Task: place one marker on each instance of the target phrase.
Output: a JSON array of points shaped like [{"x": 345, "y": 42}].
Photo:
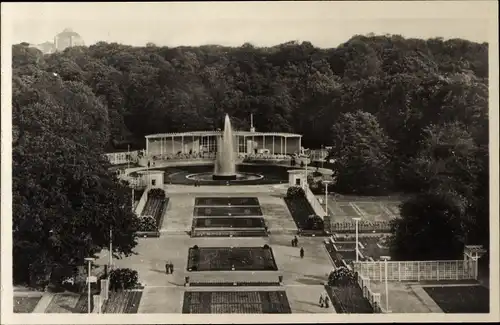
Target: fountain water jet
[{"x": 225, "y": 161}]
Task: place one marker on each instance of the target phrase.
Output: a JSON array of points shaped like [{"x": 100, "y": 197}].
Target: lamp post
[
  {"x": 110, "y": 247},
  {"x": 326, "y": 195},
  {"x": 386, "y": 258},
  {"x": 357, "y": 240},
  {"x": 89, "y": 260}
]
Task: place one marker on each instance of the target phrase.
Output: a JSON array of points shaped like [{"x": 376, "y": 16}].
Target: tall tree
[{"x": 360, "y": 150}]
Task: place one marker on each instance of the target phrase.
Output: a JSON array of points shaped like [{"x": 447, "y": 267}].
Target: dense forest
[{"x": 402, "y": 115}]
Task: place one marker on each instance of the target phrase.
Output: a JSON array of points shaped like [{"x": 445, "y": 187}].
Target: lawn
[
  {"x": 226, "y": 201},
  {"x": 236, "y": 302},
  {"x": 371, "y": 248},
  {"x": 300, "y": 210},
  {"x": 25, "y": 304},
  {"x": 229, "y": 222},
  {"x": 461, "y": 299},
  {"x": 349, "y": 300},
  {"x": 226, "y": 211},
  {"x": 224, "y": 258}
]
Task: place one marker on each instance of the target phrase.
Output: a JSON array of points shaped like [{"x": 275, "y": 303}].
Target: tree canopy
[{"x": 401, "y": 114}]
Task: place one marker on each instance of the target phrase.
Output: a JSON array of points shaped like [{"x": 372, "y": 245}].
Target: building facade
[{"x": 246, "y": 142}]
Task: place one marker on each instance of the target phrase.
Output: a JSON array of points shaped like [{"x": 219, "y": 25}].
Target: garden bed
[
  {"x": 229, "y": 222},
  {"x": 461, "y": 299},
  {"x": 313, "y": 233},
  {"x": 300, "y": 209},
  {"x": 226, "y": 211},
  {"x": 148, "y": 234},
  {"x": 228, "y": 259},
  {"x": 226, "y": 201},
  {"x": 25, "y": 304},
  {"x": 336, "y": 257},
  {"x": 228, "y": 233},
  {"x": 349, "y": 300},
  {"x": 123, "y": 302},
  {"x": 234, "y": 284},
  {"x": 236, "y": 302}
]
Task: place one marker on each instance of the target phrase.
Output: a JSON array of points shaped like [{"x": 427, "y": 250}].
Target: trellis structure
[{"x": 465, "y": 269}]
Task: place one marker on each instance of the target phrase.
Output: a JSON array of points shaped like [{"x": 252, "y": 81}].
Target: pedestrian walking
[
  {"x": 301, "y": 252},
  {"x": 321, "y": 301},
  {"x": 293, "y": 242},
  {"x": 172, "y": 268},
  {"x": 167, "y": 268},
  {"x": 296, "y": 241},
  {"x": 327, "y": 302}
]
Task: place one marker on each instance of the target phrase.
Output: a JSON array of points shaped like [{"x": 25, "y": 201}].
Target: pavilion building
[{"x": 246, "y": 142}]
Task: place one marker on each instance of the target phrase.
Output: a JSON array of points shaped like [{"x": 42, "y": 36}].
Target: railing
[
  {"x": 363, "y": 226},
  {"x": 417, "y": 270},
  {"x": 372, "y": 297}
]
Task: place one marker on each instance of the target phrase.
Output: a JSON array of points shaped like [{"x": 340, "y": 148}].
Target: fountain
[{"x": 225, "y": 162}]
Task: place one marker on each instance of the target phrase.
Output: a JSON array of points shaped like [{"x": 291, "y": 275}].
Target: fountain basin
[{"x": 224, "y": 177}]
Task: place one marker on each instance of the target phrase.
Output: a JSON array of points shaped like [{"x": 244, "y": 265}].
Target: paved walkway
[{"x": 42, "y": 305}]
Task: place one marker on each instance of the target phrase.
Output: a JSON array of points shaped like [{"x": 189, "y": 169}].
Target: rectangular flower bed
[
  {"x": 226, "y": 201},
  {"x": 227, "y": 259},
  {"x": 349, "y": 300},
  {"x": 229, "y": 222},
  {"x": 300, "y": 209},
  {"x": 224, "y": 211},
  {"x": 335, "y": 256},
  {"x": 236, "y": 302},
  {"x": 200, "y": 232}
]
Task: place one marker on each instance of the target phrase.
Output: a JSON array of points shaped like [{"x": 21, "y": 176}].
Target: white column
[
  {"x": 161, "y": 146},
  {"x": 281, "y": 144},
  {"x": 273, "y": 144},
  {"x": 263, "y": 142},
  {"x": 182, "y": 144},
  {"x": 147, "y": 147},
  {"x": 173, "y": 146},
  {"x": 286, "y": 152}
]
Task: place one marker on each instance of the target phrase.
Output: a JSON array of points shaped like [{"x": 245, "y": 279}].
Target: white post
[
  {"x": 89, "y": 259},
  {"x": 285, "y": 146},
  {"x": 133, "y": 196},
  {"x": 182, "y": 144},
  {"x": 110, "y": 246},
  {"x": 128, "y": 156},
  {"x": 356, "y": 220},
  {"x": 386, "y": 258},
  {"x": 147, "y": 147},
  {"x": 173, "y": 146},
  {"x": 273, "y": 144}
]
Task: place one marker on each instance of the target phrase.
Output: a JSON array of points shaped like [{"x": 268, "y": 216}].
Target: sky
[{"x": 324, "y": 24}]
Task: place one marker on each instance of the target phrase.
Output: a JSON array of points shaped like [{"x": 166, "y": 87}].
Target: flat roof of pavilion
[{"x": 213, "y": 133}]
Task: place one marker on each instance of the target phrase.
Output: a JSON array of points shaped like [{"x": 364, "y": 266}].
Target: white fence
[
  {"x": 372, "y": 297},
  {"x": 418, "y": 270},
  {"x": 363, "y": 226},
  {"x": 101, "y": 298},
  {"x": 317, "y": 207}
]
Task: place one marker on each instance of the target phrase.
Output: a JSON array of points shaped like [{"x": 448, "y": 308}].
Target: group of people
[
  {"x": 169, "y": 268},
  {"x": 324, "y": 301},
  {"x": 295, "y": 243}
]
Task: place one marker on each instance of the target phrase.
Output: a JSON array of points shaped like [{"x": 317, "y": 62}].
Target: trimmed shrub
[
  {"x": 314, "y": 222},
  {"x": 157, "y": 193},
  {"x": 342, "y": 277},
  {"x": 147, "y": 224},
  {"x": 195, "y": 247},
  {"x": 266, "y": 246},
  {"x": 122, "y": 279},
  {"x": 295, "y": 191}
]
